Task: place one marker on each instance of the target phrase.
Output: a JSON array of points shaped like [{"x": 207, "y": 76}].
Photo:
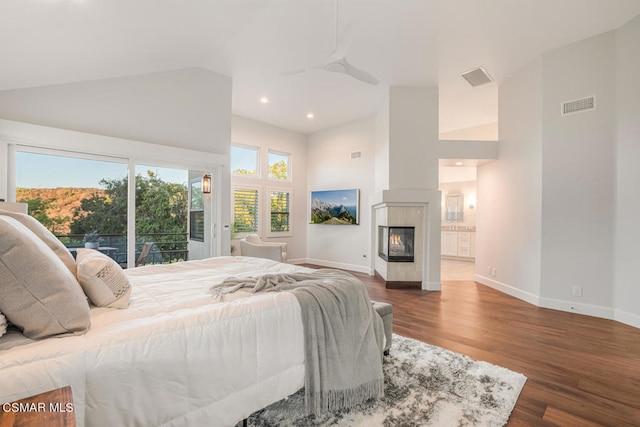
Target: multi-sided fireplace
[{"x": 396, "y": 244}]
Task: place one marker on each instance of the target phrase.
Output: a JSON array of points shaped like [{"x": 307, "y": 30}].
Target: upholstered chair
[{"x": 253, "y": 246}]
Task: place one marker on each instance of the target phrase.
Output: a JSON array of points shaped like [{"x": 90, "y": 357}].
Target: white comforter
[{"x": 175, "y": 356}]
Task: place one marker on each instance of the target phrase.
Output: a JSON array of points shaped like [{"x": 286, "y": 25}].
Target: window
[
  {"x": 245, "y": 210},
  {"x": 278, "y": 165},
  {"x": 196, "y": 211},
  {"x": 244, "y": 160},
  {"x": 280, "y": 214},
  {"x": 260, "y": 206}
]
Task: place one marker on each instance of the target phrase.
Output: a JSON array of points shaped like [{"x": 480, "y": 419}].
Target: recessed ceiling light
[
  {"x": 264, "y": 100},
  {"x": 310, "y": 115},
  {"x": 459, "y": 163}
]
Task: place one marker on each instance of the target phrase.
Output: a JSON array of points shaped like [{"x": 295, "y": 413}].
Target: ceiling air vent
[
  {"x": 477, "y": 76},
  {"x": 578, "y": 105},
  {"x": 356, "y": 155}
]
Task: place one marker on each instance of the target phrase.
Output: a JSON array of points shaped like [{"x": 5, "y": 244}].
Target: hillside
[{"x": 61, "y": 202}]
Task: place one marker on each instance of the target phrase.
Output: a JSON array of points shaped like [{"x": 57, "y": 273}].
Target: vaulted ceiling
[{"x": 256, "y": 42}]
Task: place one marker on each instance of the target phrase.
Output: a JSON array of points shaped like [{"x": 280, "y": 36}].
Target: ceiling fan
[{"x": 337, "y": 62}]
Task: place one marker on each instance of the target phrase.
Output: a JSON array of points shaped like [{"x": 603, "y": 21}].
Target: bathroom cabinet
[{"x": 459, "y": 244}]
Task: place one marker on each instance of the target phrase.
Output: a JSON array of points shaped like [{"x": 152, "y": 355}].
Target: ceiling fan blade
[
  {"x": 302, "y": 70},
  {"x": 343, "y": 43},
  {"x": 362, "y": 75}
]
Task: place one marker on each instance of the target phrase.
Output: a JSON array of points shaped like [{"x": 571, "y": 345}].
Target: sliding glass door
[
  {"x": 161, "y": 214},
  {"x": 80, "y": 198}
]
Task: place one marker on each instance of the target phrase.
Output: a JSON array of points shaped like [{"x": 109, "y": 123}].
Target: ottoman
[{"x": 386, "y": 313}]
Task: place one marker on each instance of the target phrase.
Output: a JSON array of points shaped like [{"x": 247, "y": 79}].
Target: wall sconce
[{"x": 206, "y": 184}]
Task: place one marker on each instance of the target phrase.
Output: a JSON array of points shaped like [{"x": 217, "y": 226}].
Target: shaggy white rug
[{"x": 424, "y": 386}]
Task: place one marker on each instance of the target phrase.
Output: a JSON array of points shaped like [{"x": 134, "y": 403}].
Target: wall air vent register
[{"x": 578, "y": 105}]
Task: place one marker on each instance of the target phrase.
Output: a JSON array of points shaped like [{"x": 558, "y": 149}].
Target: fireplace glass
[{"x": 396, "y": 244}]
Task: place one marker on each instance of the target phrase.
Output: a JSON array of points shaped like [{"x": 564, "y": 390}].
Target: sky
[
  {"x": 338, "y": 197},
  {"x": 47, "y": 171}
]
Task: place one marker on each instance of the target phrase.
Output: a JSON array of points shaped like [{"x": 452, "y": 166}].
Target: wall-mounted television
[{"x": 339, "y": 207}]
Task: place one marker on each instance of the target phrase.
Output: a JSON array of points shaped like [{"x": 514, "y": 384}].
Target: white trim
[
  {"x": 80, "y": 142},
  {"x": 507, "y": 289},
  {"x": 289, "y": 178},
  {"x": 260, "y": 198},
  {"x": 626, "y": 318},
  {"x": 4, "y": 164},
  {"x": 580, "y": 308},
  {"x": 30, "y": 137},
  {"x": 562, "y": 305},
  {"x": 331, "y": 264},
  {"x": 131, "y": 213},
  {"x": 258, "y": 151},
  {"x": 276, "y": 234}
]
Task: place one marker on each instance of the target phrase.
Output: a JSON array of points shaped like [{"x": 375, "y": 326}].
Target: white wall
[
  {"x": 578, "y": 177},
  {"x": 185, "y": 108},
  {"x": 626, "y": 289},
  {"x": 188, "y": 108},
  {"x": 560, "y": 206},
  {"x": 509, "y": 192},
  {"x": 249, "y": 132},
  {"x": 331, "y": 168},
  {"x": 413, "y": 138},
  {"x": 381, "y": 147}
]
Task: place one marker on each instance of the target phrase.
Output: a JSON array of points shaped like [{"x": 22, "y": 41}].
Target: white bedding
[{"x": 175, "y": 356}]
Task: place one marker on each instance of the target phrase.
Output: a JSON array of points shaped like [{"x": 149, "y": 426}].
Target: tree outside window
[
  {"x": 278, "y": 165},
  {"x": 280, "y": 202},
  {"x": 244, "y": 160},
  {"x": 245, "y": 210}
]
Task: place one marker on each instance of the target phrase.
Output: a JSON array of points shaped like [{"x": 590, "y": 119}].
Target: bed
[
  {"x": 173, "y": 355},
  {"x": 150, "y": 365}
]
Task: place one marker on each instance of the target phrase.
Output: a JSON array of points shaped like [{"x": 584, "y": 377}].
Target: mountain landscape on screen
[{"x": 324, "y": 212}]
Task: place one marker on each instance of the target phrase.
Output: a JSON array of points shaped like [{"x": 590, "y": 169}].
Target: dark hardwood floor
[{"x": 581, "y": 370}]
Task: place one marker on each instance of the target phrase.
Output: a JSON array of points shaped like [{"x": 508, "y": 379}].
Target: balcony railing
[{"x": 167, "y": 247}]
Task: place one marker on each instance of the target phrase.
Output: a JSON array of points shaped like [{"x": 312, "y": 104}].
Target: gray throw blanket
[{"x": 343, "y": 335}]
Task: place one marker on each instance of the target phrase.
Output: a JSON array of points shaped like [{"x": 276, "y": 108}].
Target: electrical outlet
[
  {"x": 576, "y": 291},
  {"x": 493, "y": 271}
]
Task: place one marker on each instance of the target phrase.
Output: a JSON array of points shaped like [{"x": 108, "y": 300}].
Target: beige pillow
[
  {"x": 102, "y": 279},
  {"x": 46, "y": 236},
  {"x": 3, "y": 325},
  {"x": 38, "y": 294}
]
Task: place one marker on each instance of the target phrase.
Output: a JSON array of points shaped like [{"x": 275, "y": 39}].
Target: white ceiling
[{"x": 402, "y": 42}]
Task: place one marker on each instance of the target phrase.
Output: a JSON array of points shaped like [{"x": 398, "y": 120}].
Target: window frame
[
  {"x": 270, "y": 232},
  {"x": 258, "y": 151},
  {"x": 280, "y": 153},
  {"x": 259, "y": 220}
]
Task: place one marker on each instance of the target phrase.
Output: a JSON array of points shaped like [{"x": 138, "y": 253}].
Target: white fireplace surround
[{"x": 419, "y": 208}]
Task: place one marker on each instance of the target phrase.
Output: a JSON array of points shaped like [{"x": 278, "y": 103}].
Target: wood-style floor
[{"x": 581, "y": 371}]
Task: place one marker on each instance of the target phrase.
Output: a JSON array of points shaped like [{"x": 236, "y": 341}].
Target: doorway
[{"x": 458, "y": 185}]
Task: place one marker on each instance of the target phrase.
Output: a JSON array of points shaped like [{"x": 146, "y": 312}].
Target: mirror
[{"x": 454, "y": 207}]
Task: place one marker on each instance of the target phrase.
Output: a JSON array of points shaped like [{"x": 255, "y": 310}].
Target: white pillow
[
  {"x": 102, "y": 279},
  {"x": 3, "y": 325},
  {"x": 46, "y": 236},
  {"x": 38, "y": 293}
]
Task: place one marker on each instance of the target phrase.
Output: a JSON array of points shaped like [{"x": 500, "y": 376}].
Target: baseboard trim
[
  {"x": 331, "y": 264},
  {"x": 580, "y": 308},
  {"x": 398, "y": 284},
  {"x": 626, "y": 318},
  {"x": 507, "y": 289},
  {"x": 562, "y": 305}
]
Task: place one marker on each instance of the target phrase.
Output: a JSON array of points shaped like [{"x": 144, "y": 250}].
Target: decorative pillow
[
  {"x": 46, "y": 236},
  {"x": 102, "y": 279},
  {"x": 38, "y": 294},
  {"x": 3, "y": 325}
]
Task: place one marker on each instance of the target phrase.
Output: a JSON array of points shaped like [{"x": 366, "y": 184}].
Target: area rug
[{"x": 425, "y": 385}]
